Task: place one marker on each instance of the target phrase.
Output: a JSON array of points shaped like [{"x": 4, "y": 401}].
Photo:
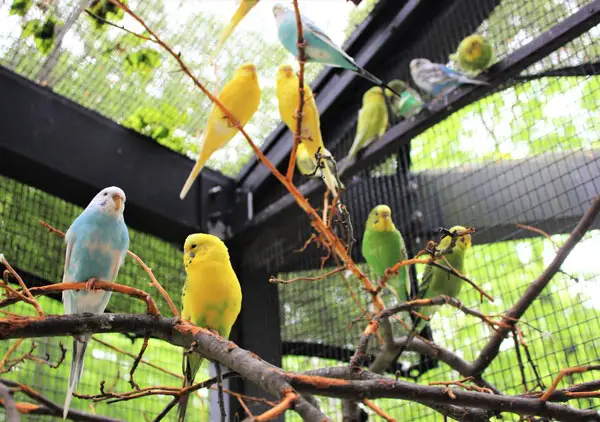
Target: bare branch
[{"x": 492, "y": 348}]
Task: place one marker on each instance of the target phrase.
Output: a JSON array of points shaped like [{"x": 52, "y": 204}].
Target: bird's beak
[{"x": 118, "y": 200}]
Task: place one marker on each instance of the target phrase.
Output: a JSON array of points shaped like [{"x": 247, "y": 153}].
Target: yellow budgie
[
  {"x": 211, "y": 297},
  {"x": 372, "y": 120},
  {"x": 241, "y": 96},
  {"x": 288, "y": 97},
  {"x": 307, "y": 164},
  {"x": 242, "y": 10}
]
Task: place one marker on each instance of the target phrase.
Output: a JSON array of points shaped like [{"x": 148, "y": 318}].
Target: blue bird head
[
  {"x": 110, "y": 201},
  {"x": 280, "y": 11}
]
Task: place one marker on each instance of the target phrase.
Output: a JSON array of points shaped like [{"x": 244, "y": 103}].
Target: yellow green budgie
[
  {"x": 372, "y": 120},
  {"x": 383, "y": 246},
  {"x": 242, "y": 10},
  {"x": 241, "y": 96},
  {"x": 288, "y": 98},
  {"x": 474, "y": 54},
  {"x": 436, "y": 281},
  {"x": 211, "y": 297}
]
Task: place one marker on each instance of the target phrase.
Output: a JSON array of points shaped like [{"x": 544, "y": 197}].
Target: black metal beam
[
  {"x": 542, "y": 191},
  {"x": 323, "y": 83},
  {"x": 401, "y": 134},
  {"x": 56, "y": 145}
]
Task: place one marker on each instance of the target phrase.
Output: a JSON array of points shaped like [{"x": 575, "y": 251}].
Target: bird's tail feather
[
  {"x": 237, "y": 17},
  {"x": 193, "y": 175},
  {"x": 370, "y": 77},
  {"x": 474, "y": 81},
  {"x": 76, "y": 371},
  {"x": 191, "y": 364}
]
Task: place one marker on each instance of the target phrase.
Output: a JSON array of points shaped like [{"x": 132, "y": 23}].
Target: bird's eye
[
  {"x": 105, "y": 193},
  {"x": 194, "y": 246},
  {"x": 376, "y": 214}
]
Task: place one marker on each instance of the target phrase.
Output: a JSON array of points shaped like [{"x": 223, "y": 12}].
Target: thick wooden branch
[
  {"x": 492, "y": 348},
  {"x": 329, "y": 382},
  {"x": 46, "y": 406}
]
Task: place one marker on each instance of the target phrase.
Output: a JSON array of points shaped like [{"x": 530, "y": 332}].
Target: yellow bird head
[
  {"x": 473, "y": 46},
  {"x": 246, "y": 70},
  {"x": 202, "y": 247},
  {"x": 285, "y": 71},
  {"x": 380, "y": 219},
  {"x": 463, "y": 242},
  {"x": 375, "y": 93}
]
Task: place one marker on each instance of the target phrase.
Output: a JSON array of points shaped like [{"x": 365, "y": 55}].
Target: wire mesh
[
  {"x": 38, "y": 256},
  {"x": 135, "y": 83},
  {"x": 528, "y": 153}
]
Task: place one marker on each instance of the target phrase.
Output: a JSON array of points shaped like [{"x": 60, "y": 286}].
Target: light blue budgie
[
  {"x": 436, "y": 79},
  {"x": 319, "y": 47},
  {"x": 97, "y": 242}
]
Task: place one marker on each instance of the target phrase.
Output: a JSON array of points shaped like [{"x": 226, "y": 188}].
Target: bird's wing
[
  {"x": 425, "y": 282},
  {"x": 318, "y": 32}
]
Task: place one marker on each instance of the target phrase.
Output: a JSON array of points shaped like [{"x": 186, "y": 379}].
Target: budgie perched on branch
[
  {"x": 211, "y": 296},
  {"x": 436, "y": 281},
  {"x": 474, "y": 54},
  {"x": 383, "y": 246},
  {"x": 97, "y": 242},
  {"x": 319, "y": 47},
  {"x": 373, "y": 120},
  {"x": 437, "y": 79},
  {"x": 288, "y": 98},
  {"x": 241, "y": 96},
  {"x": 242, "y": 10}
]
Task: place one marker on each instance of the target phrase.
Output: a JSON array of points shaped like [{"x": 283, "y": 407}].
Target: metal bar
[
  {"x": 542, "y": 191},
  {"x": 326, "y": 80},
  {"x": 401, "y": 134},
  {"x": 58, "y": 146}
]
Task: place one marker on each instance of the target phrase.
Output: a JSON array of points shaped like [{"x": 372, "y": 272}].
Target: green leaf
[
  {"x": 143, "y": 61},
  {"x": 20, "y": 7},
  {"x": 105, "y": 10},
  {"x": 30, "y": 28}
]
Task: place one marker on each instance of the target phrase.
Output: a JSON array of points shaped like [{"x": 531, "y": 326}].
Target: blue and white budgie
[
  {"x": 319, "y": 47},
  {"x": 436, "y": 79},
  {"x": 97, "y": 242}
]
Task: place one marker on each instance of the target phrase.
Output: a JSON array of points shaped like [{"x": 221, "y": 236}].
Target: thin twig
[
  {"x": 27, "y": 297},
  {"x": 100, "y": 18},
  {"x": 492, "y": 348},
  {"x": 221, "y": 399},
  {"x": 98, "y": 285},
  {"x": 276, "y": 280},
  {"x": 378, "y": 410},
  {"x": 9, "y": 352},
  {"x": 520, "y": 362},
  {"x": 286, "y": 402},
  {"x": 564, "y": 372},
  {"x": 300, "y": 43},
  {"x": 136, "y": 362}
]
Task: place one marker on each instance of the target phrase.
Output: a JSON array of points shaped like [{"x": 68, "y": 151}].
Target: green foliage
[
  {"x": 159, "y": 124},
  {"x": 20, "y": 7},
  {"x": 42, "y": 33},
  {"x": 106, "y": 11},
  {"x": 144, "y": 61}
]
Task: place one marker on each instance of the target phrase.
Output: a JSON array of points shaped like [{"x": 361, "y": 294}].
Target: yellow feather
[
  {"x": 211, "y": 297},
  {"x": 241, "y": 96},
  {"x": 288, "y": 98},
  {"x": 372, "y": 120}
]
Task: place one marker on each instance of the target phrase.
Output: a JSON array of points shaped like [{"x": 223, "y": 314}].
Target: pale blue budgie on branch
[
  {"x": 97, "y": 242},
  {"x": 319, "y": 47},
  {"x": 436, "y": 79}
]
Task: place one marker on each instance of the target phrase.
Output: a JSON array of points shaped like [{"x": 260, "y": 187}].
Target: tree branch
[
  {"x": 12, "y": 414},
  {"x": 492, "y": 348},
  {"x": 48, "y": 407},
  {"x": 329, "y": 382}
]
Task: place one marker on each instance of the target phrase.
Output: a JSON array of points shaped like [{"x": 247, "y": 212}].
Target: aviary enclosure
[{"x": 103, "y": 92}]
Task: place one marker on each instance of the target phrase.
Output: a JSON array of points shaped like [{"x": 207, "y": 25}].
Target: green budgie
[
  {"x": 373, "y": 120},
  {"x": 474, "y": 54},
  {"x": 408, "y": 104},
  {"x": 436, "y": 281},
  {"x": 383, "y": 246}
]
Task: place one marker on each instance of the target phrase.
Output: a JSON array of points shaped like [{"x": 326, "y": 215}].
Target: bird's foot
[
  {"x": 89, "y": 286},
  {"x": 233, "y": 122}
]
